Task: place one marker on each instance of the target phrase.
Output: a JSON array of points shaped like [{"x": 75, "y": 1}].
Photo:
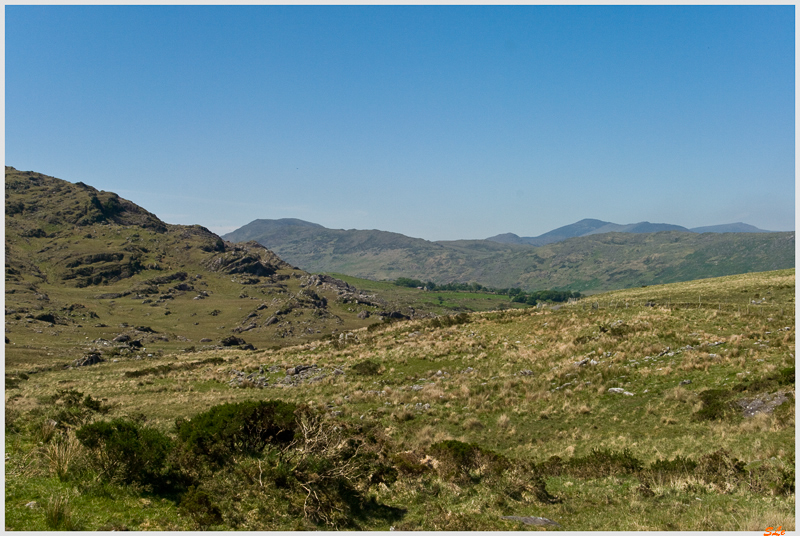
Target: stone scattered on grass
[
  {"x": 765, "y": 403},
  {"x": 531, "y": 520},
  {"x": 619, "y": 390}
]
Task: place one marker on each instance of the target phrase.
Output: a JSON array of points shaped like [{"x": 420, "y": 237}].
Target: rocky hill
[
  {"x": 88, "y": 270},
  {"x": 584, "y": 256}
]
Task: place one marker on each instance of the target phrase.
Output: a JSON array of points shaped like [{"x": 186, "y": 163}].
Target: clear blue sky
[{"x": 435, "y": 122}]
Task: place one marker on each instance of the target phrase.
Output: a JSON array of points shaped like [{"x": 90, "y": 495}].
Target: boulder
[
  {"x": 91, "y": 358},
  {"x": 232, "y": 341}
]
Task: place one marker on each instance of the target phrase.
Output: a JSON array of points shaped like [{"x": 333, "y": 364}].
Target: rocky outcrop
[{"x": 248, "y": 258}]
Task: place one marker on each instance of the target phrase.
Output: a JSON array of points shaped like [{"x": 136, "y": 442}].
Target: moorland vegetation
[
  {"x": 133, "y": 400},
  {"x": 660, "y": 408}
]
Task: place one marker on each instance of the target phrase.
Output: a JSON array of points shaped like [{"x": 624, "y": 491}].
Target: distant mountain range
[
  {"x": 587, "y": 255},
  {"x": 588, "y": 227}
]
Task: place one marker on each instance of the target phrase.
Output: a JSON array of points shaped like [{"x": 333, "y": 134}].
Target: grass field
[{"x": 657, "y": 408}]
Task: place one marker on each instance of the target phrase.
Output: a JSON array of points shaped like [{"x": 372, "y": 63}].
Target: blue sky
[{"x": 435, "y": 122}]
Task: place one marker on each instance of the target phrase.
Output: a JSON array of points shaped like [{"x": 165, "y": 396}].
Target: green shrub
[
  {"x": 771, "y": 477},
  {"x": 600, "y": 463},
  {"x": 73, "y": 408},
  {"x": 716, "y": 405},
  {"x": 241, "y": 428},
  {"x": 198, "y": 504},
  {"x": 720, "y": 468},
  {"x": 366, "y": 368},
  {"x": 553, "y": 466},
  {"x": 126, "y": 451},
  {"x": 772, "y": 381},
  {"x": 457, "y": 459},
  {"x": 408, "y": 463}
]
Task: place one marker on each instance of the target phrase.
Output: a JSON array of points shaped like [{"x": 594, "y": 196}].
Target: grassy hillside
[
  {"x": 669, "y": 407},
  {"x": 588, "y": 263},
  {"x": 85, "y": 267}
]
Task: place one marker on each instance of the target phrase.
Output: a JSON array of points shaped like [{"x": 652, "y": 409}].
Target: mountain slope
[
  {"x": 84, "y": 267},
  {"x": 737, "y": 227},
  {"x": 585, "y": 227},
  {"x": 592, "y": 262}
]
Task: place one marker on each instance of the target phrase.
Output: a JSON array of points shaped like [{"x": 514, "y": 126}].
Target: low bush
[
  {"x": 241, "y": 428},
  {"x": 777, "y": 379},
  {"x": 366, "y": 368},
  {"x": 126, "y": 451},
  {"x": 458, "y": 459},
  {"x": 73, "y": 408},
  {"x": 201, "y": 507},
  {"x": 716, "y": 405},
  {"x": 598, "y": 463},
  {"x": 662, "y": 471},
  {"x": 603, "y": 462},
  {"x": 720, "y": 468}
]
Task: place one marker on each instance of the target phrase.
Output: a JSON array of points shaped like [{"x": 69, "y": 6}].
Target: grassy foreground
[{"x": 659, "y": 408}]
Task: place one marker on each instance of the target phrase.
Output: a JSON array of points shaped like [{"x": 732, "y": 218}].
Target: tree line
[{"x": 517, "y": 295}]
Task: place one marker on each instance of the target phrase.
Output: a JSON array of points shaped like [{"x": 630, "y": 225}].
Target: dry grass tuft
[
  {"x": 62, "y": 453},
  {"x": 473, "y": 424},
  {"x": 503, "y": 421}
]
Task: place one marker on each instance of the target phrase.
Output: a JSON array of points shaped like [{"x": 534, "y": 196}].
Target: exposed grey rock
[
  {"x": 122, "y": 338},
  {"x": 531, "y": 520},
  {"x": 765, "y": 403},
  {"x": 291, "y": 371},
  {"x": 91, "y": 358},
  {"x": 232, "y": 341}
]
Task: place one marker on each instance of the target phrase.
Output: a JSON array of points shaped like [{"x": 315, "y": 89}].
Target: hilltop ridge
[
  {"x": 85, "y": 267},
  {"x": 587, "y": 255}
]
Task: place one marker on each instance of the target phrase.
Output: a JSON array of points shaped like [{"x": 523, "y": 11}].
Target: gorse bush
[
  {"x": 716, "y": 405},
  {"x": 604, "y": 462},
  {"x": 126, "y": 451},
  {"x": 241, "y": 428},
  {"x": 72, "y": 408},
  {"x": 597, "y": 464},
  {"x": 662, "y": 471},
  {"x": 202, "y": 507},
  {"x": 458, "y": 459},
  {"x": 366, "y": 368}
]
